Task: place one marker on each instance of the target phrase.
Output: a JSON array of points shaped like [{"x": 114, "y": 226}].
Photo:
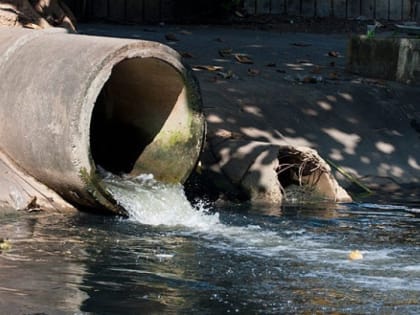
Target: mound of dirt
[{"x": 36, "y": 14}]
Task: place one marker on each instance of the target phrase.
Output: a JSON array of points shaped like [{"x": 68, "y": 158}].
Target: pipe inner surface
[{"x": 133, "y": 107}]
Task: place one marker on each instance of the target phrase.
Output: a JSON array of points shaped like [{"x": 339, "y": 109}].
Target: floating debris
[
  {"x": 225, "y": 52},
  {"x": 210, "y": 68},
  {"x": 242, "y": 58},
  {"x": 253, "y": 72},
  {"x": 4, "y": 245},
  {"x": 301, "y": 44},
  {"x": 171, "y": 37},
  {"x": 355, "y": 255},
  {"x": 304, "y": 79},
  {"x": 334, "y": 54},
  {"x": 186, "y": 54}
]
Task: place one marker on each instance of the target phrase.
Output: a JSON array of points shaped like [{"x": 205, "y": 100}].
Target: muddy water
[{"x": 238, "y": 260}]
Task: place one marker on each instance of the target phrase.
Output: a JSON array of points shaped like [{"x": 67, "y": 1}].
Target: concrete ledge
[{"x": 385, "y": 58}]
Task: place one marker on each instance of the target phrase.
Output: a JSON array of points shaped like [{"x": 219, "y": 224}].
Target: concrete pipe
[{"x": 70, "y": 103}]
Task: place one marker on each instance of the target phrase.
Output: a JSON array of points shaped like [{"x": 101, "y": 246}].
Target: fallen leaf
[
  {"x": 219, "y": 39},
  {"x": 309, "y": 79},
  {"x": 334, "y": 54},
  {"x": 239, "y": 14},
  {"x": 32, "y": 26},
  {"x": 186, "y": 54},
  {"x": 303, "y": 61},
  {"x": 332, "y": 64},
  {"x": 271, "y": 65},
  {"x": 185, "y": 32},
  {"x": 227, "y": 75},
  {"x": 225, "y": 52},
  {"x": 33, "y": 205},
  {"x": 301, "y": 44},
  {"x": 333, "y": 76},
  {"x": 242, "y": 58},
  {"x": 171, "y": 37},
  {"x": 316, "y": 70},
  {"x": 253, "y": 72},
  {"x": 207, "y": 68},
  {"x": 228, "y": 134}
]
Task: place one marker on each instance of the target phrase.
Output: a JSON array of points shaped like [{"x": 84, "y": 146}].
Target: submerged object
[{"x": 70, "y": 103}]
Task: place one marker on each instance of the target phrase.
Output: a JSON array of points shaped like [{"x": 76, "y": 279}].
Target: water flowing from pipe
[{"x": 148, "y": 201}]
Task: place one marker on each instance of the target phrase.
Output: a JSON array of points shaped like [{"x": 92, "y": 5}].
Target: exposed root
[{"x": 298, "y": 166}]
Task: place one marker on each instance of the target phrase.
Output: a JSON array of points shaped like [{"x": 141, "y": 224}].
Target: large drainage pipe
[{"x": 70, "y": 103}]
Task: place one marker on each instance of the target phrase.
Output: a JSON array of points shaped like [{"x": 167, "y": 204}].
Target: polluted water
[
  {"x": 154, "y": 203},
  {"x": 173, "y": 257}
]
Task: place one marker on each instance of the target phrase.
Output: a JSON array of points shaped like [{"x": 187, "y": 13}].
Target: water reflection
[{"x": 290, "y": 260}]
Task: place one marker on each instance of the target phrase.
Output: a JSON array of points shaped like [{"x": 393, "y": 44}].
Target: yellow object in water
[
  {"x": 355, "y": 255},
  {"x": 4, "y": 245}
]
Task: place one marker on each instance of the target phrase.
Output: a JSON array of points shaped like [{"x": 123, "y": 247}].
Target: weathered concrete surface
[
  {"x": 71, "y": 103},
  {"x": 365, "y": 126},
  {"x": 21, "y": 191},
  {"x": 385, "y": 58}
]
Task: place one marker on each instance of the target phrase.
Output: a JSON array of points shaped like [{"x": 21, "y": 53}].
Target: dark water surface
[{"x": 292, "y": 260}]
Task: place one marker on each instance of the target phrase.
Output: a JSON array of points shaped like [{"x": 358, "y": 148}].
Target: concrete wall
[{"x": 378, "y": 9}]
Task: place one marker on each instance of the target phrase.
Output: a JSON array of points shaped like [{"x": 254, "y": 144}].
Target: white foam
[{"x": 149, "y": 202}]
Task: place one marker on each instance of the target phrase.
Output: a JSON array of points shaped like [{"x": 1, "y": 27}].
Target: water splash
[{"x": 148, "y": 201}]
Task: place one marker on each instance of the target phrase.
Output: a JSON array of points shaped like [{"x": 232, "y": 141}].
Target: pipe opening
[{"x": 132, "y": 108}]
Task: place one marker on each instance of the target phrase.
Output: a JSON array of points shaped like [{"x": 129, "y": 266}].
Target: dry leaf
[
  {"x": 334, "y": 54},
  {"x": 226, "y": 75},
  {"x": 242, "y": 58},
  {"x": 185, "y": 32},
  {"x": 171, "y": 37},
  {"x": 301, "y": 44},
  {"x": 186, "y": 54},
  {"x": 253, "y": 72},
  {"x": 207, "y": 68},
  {"x": 333, "y": 76},
  {"x": 271, "y": 65},
  {"x": 225, "y": 52},
  {"x": 316, "y": 70},
  {"x": 303, "y": 61}
]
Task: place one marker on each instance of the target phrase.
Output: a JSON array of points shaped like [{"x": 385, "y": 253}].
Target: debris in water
[
  {"x": 334, "y": 54},
  {"x": 355, "y": 255},
  {"x": 4, "y": 245},
  {"x": 171, "y": 37},
  {"x": 253, "y": 72},
  {"x": 242, "y": 58},
  {"x": 225, "y": 52}
]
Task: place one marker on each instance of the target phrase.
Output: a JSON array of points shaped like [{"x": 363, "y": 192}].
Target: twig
[{"x": 349, "y": 177}]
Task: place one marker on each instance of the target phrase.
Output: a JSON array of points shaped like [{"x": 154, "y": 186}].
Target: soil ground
[{"x": 287, "y": 83}]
